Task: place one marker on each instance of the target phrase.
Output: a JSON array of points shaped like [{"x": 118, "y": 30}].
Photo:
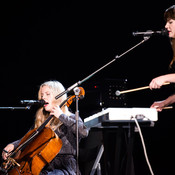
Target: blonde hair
[{"x": 41, "y": 115}]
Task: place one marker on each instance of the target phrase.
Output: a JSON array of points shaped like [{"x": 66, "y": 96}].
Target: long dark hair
[{"x": 170, "y": 14}]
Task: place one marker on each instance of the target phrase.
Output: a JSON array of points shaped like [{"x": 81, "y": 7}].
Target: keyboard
[{"x": 121, "y": 115}]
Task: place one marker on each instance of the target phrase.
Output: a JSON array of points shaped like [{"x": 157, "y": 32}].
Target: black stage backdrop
[{"x": 67, "y": 41}]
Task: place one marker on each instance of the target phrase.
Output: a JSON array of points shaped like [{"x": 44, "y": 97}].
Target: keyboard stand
[
  {"x": 121, "y": 164},
  {"x": 97, "y": 166}
]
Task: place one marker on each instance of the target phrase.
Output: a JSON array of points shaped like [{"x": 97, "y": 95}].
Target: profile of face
[
  {"x": 48, "y": 97},
  {"x": 170, "y": 26}
]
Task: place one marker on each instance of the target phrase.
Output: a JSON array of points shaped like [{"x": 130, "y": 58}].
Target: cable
[{"x": 143, "y": 144}]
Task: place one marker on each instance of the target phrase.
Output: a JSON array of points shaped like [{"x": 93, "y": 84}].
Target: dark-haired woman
[{"x": 157, "y": 82}]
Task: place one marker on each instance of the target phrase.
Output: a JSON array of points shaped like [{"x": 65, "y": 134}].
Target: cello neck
[{"x": 45, "y": 123}]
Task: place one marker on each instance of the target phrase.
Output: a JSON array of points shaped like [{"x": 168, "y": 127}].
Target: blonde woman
[{"x": 64, "y": 125}]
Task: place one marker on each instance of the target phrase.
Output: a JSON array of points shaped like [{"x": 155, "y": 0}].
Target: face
[
  {"x": 48, "y": 97},
  {"x": 170, "y": 26}
]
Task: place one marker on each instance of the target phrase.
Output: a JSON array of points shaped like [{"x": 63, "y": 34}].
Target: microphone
[
  {"x": 150, "y": 33},
  {"x": 32, "y": 102}
]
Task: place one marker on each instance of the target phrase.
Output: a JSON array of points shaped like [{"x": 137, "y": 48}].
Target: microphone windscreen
[
  {"x": 42, "y": 102},
  {"x": 164, "y": 32}
]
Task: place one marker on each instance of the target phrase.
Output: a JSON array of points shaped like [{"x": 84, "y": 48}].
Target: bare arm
[{"x": 157, "y": 82}]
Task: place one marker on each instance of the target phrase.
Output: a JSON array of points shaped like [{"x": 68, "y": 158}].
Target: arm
[
  {"x": 159, "y": 105},
  {"x": 9, "y": 148},
  {"x": 157, "y": 82},
  {"x": 70, "y": 122}
]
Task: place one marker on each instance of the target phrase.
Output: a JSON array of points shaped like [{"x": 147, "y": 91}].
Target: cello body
[{"x": 42, "y": 150}]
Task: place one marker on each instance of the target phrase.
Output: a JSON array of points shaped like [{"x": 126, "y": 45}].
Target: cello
[{"x": 36, "y": 149}]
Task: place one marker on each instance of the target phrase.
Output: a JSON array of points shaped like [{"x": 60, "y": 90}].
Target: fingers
[
  {"x": 157, "y": 82},
  {"x": 159, "y": 105},
  {"x": 154, "y": 85},
  {"x": 159, "y": 109},
  {"x": 56, "y": 111},
  {"x": 5, "y": 154},
  {"x": 7, "y": 150}
]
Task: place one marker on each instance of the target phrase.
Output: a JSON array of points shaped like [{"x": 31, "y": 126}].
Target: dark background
[{"x": 67, "y": 41}]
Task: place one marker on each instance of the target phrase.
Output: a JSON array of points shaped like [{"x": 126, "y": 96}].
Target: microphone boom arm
[
  {"x": 13, "y": 108},
  {"x": 98, "y": 70}
]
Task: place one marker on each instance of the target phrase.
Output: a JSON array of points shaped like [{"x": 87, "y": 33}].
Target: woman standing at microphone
[
  {"x": 63, "y": 124},
  {"x": 169, "y": 17}
]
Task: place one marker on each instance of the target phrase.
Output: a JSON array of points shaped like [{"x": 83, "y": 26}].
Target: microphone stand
[
  {"x": 27, "y": 107},
  {"x": 77, "y": 92},
  {"x": 82, "y": 81}
]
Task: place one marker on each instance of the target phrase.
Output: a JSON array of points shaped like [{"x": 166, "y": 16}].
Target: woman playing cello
[{"x": 63, "y": 124}]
